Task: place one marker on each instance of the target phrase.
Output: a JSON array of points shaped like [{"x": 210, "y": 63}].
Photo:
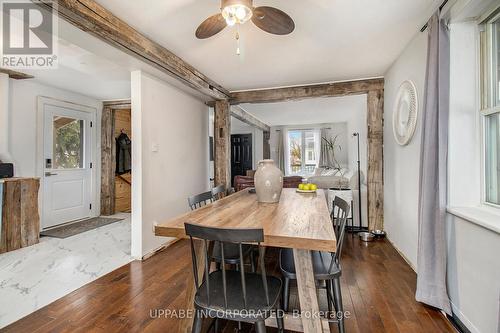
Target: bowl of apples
[{"x": 307, "y": 188}]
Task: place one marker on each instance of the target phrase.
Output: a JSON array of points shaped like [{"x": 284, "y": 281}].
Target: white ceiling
[
  {"x": 86, "y": 73},
  {"x": 309, "y": 111},
  {"x": 91, "y": 67},
  {"x": 334, "y": 39}
]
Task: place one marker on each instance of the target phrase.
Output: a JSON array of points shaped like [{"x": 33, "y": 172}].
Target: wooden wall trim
[
  {"x": 91, "y": 17},
  {"x": 334, "y": 89},
  {"x": 222, "y": 142},
  {"x": 16, "y": 75},
  {"x": 242, "y": 115}
]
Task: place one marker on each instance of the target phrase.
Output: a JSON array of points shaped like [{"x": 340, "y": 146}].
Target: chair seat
[
  {"x": 256, "y": 307},
  {"x": 231, "y": 252},
  {"x": 321, "y": 265}
]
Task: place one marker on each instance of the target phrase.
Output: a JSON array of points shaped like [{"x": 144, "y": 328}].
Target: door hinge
[
  {"x": 90, "y": 206},
  {"x": 90, "y": 124}
]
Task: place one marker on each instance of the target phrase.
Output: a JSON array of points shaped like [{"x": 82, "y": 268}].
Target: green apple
[
  {"x": 313, "y": 187},
  {"x": 301, "y": 186},
  {"x": 307, "y": 187}
]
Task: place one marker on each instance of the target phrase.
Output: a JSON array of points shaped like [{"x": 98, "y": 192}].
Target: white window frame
[
  {"x": 489, "y": 98},
  {"x": 317, "y": 147}
]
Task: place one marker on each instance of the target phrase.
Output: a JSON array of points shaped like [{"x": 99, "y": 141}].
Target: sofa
[
  {"x": 327, "y": 178},
  {"x": 243, "y": 182}
]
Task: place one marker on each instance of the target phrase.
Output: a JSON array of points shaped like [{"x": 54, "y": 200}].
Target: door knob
[{"x": 48, "y": 174}]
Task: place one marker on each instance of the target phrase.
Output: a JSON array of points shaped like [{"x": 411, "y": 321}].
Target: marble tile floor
[{"x": 33, "y": 277}]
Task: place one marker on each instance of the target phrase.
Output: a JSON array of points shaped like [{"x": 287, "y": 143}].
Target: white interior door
[{"x": 67, "y": 169}]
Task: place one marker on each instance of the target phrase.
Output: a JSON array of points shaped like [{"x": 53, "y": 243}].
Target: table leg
[
  {"x": 187, "y": 323},
  {"x": 311, "y": 319}
]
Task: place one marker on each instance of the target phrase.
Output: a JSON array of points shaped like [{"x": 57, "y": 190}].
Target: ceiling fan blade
[
  {"x": 273, "y": 20},
  {"x": 211, "y": 26}
]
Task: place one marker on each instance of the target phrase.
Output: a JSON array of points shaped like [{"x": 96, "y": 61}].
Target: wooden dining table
[{"x": 300, "y": 221}]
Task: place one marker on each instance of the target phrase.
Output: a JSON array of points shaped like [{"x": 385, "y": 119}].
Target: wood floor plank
[{"x": 378, "y": 289}]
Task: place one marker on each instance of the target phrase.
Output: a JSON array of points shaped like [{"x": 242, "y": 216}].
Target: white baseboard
[
  {"x": 466, "y": 322},
  {"x": 402, "y": 255},
  {"x": 160, "y": 248}
]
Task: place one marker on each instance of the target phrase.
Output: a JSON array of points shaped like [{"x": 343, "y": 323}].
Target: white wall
[
  {"x": 23, "y": 120},
  {"x": 473, "y": 264},
  {"x": 23, "y": 125},
  {"x": 174, "y": 123},
  {"x": 401, "y": 164},
  {"x": 473, "y": 267}
]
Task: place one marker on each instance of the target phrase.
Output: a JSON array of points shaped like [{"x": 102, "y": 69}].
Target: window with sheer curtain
[
  {"x": 303, "y": 150},
  {"x": 491, "y": 110}
]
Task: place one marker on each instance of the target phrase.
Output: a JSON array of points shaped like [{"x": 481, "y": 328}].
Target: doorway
[
  {"x": 241, "y": 155},
  {"x": 116, "y": 163},
  {"x": 68, "y": 167}
]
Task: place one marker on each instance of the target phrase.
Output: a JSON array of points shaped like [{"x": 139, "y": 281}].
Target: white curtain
[{"x": 431, "y": 255}]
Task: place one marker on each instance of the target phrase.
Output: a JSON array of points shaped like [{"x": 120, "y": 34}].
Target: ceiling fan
[{"x": 233, "y": 12}]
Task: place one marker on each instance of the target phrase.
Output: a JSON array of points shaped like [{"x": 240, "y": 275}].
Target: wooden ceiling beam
[
  {"x": 91, "y": 17},
  {"x": 335, "y": 89},
  {"x": 239, "y": 113},
  {"x": 16, "y": 75}
]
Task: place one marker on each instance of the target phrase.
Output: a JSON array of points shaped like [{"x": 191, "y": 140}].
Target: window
[
  {"x": 68, "y": 143},
  {"x": 302, "y": 152},
  {"x": 491, "y": 110}
]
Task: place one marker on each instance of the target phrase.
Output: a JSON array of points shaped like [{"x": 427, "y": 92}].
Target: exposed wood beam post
[
  {"x": 239, "y": 113},
  {"x": 222, "y": 142},
  {"x": 375, "y": 176},
  {"x": 91, "y": 17},
  {"x": 108, "y": 163},
  {"x": 266, "y": 150},
  {"x": 334, "y": 89}
]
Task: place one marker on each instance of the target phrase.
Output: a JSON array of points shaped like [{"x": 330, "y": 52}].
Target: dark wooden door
[{"x": 241, "y": 155}]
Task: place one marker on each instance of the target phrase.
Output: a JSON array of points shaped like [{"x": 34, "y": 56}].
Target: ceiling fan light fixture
[{"x": 236, "y": 11}]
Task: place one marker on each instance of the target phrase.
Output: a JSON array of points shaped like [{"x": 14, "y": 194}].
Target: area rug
[{"x": 76, "y": 228}]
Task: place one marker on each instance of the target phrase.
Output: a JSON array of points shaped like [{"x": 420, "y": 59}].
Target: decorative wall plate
[{"x": 404, "y": 118}]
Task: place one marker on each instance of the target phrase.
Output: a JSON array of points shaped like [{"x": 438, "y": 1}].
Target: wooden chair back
[
  {"x": 237, "y": 236},
  {"x": 199, "y": 200}
]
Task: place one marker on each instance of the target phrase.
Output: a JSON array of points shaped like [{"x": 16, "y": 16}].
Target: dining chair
[
  {"x": 230, "y": 294},
  {"x": 219, "y": 192},
  {"x": 199, "y": 200},
  {"x": 232, "y": 254},
  {"x": 326, "y": 265}
]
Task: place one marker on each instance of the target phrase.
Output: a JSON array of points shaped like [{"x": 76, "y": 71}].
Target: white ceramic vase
[{"x": 268, "y": 182}]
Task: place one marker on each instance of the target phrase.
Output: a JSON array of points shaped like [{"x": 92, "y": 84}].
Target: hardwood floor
[{"x": 378, "y": 290}]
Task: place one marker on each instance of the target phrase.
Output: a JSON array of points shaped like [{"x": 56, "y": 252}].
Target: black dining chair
[
  {"x": 199, "y": 200},
  {"x": 230, "y": 294},
  {"x": 232, "y": 252},
  {"x": 218, "y": 192},
  {"x": 326, "y": 265}
]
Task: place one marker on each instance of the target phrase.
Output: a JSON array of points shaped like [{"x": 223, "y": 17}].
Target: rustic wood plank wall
[
  {"x": 123, "y": 183},
  {"x": 20, "y": 217}
]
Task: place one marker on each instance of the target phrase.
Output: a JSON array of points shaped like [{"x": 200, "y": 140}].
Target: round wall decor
[{"x": 404, "y": 118}]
